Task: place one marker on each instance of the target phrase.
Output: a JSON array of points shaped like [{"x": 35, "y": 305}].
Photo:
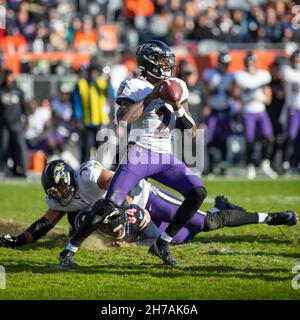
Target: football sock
[
  {"x": 229, "y": 218},
  {"x": 262, "y": 217},
  {"x": 186, "y": 211},
  {"x": 71, "y": 247},
  {"x": 267, "y": 147},
  {"x": 88, "y": 226}
]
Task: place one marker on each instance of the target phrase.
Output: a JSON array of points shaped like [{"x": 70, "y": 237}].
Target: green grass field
[{"x": 251, "y": 262}]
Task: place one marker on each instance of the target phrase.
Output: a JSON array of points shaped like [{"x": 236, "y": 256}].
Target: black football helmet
[
  {"x": 155, "y": 58},
  {"x": 58, "y": 180},
  {"x": 223, "y": 61},
  {"x": 250, "y": 62},
  {"x": 295, "y": 59}
]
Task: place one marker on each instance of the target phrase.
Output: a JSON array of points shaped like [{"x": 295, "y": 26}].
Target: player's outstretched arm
[{"x": 36, "y": 231}]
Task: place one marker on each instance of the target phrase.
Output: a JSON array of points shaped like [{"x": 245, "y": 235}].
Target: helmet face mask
[
  {"x": 156, "y": 59},
  {"x": 59, "y": 182},
  {"x": 166, "y": 66},
  {"x": 62, "y": 193}
]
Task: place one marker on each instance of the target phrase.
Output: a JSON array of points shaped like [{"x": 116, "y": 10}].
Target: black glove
[{"x": 9, "y": 241}]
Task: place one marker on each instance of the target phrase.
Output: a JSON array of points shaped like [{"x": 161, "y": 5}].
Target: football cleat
[
  {"x": 66, "y": 259},
  {"x": 266, "y": 168},
  {"x": 223, "y": 203},
  {"x": 161, "y": 249},
  {"x": 288, "y": 218}
]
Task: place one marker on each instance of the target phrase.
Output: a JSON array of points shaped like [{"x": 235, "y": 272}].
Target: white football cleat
[
  {"x": 251, "y": 172},
  {"x": 266, "y": 168}
]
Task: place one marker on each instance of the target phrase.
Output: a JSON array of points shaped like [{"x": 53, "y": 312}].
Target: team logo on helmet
[{"x": 59, "y": 173}]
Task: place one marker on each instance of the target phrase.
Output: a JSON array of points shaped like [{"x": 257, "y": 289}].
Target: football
[{"x": 170, "y": 90}]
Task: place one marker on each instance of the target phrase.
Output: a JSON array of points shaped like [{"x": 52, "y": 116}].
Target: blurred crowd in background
[
  {"x": 61, "y": 25},
  {"x": 65, "y": 124}
]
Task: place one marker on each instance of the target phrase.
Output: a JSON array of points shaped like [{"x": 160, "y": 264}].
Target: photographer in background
[{"x": 12, "y": 109}]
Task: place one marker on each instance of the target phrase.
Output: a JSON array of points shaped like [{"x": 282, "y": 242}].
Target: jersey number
[{"x": 165, "y": 117}]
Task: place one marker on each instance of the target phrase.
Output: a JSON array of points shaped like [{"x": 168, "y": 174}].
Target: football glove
[{"x": 9, "y": 241}]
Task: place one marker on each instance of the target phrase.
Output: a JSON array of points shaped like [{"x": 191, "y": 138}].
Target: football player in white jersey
[
  {"x": 218, "y": 86},
  {"x": 255, "y": 94},
  {"x": 149, "y": 152},
  {"x": 67, "y": 191},
  {"x": 74, "y": 192},
  {"x": 291, "y": 80}
]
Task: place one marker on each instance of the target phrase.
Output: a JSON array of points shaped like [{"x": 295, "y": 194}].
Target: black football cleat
[
  {"x": 223, "y": 203},
  {"x": 66, "y": 259},
  {"x": 288, "y": 218},
  {"x": 161, "y": 249}
]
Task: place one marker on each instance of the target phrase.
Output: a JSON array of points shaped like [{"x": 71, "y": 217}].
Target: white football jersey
[
  {"x": 152, "y": 129},
  {"x": 221, "y": 84},
  {"x": 252, "y": 94},
  {"x": 291, "y": 81},
  {"x": 88, "y": 191}
]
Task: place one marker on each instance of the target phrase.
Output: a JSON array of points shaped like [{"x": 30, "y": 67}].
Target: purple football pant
[
  {"x": 163, "y": 207},
  {"x": 218, "y": 125},
  {"x": 294, "y": 123},
  {"x": 257, "y": 121},
  {"x": 142, "y": 163}
]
